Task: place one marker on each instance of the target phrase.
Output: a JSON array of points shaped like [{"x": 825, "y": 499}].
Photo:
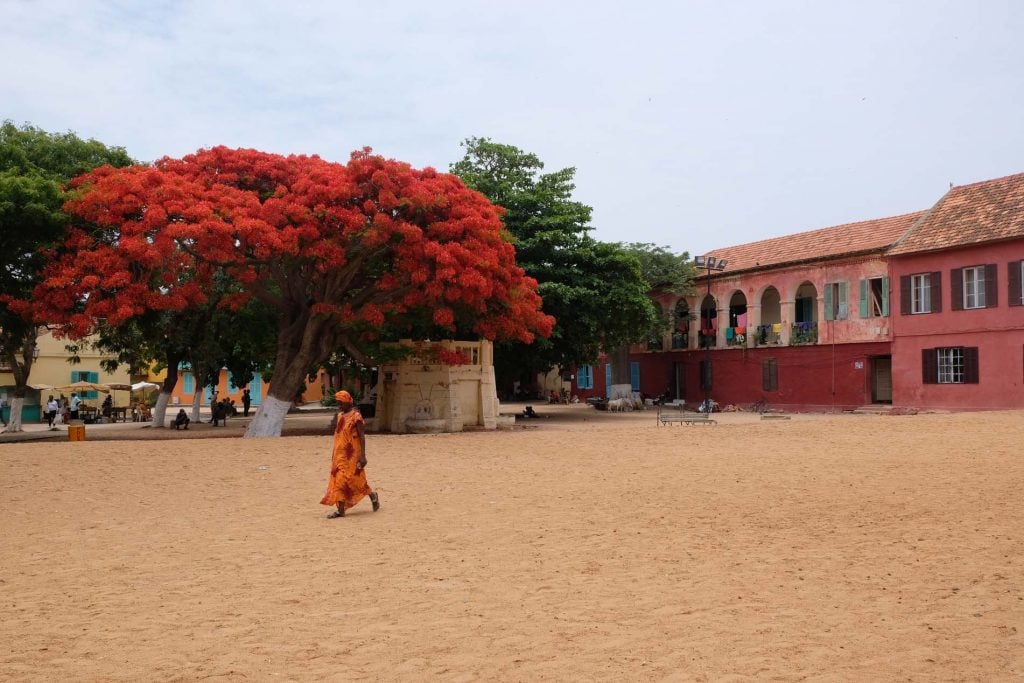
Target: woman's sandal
[
  {"x": 375, "y": 501},
  {"x": 336, "y": 514}
]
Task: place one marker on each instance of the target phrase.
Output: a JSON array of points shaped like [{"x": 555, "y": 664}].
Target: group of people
[
  {"x": 220, "y": 411},
  {"x": 62, "y": 409}
]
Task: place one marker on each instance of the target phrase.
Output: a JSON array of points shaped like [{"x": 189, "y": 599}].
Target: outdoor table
[
  {"x": 119, "y": 414},
  {"x": 87, "y": 415}
]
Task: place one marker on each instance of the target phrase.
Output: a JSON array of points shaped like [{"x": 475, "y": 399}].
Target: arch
[
  {"x": 656, "y": 341},
  {"x": 805, "y": 303},
  {"x": 771, "y": 306},
  {"x": 681, "y": 325},
  {"x": 738, "y": 309},
  {"x": 708, "y": 318}
]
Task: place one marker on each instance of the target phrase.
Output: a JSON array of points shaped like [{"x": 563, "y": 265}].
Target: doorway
[
  {"x": 677, "y": 381},
  {"x": 881, "y": 379}
]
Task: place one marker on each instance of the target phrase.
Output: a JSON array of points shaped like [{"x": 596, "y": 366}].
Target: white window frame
[
  {"x": 974, "y": 287},
  {"x": 951, "y": 365},
  {"x": 921, "y": 293}
]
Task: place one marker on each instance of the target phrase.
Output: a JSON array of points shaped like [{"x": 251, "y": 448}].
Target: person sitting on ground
[
  {"x": 181, "y": 420},
  {"x": 530, "y": 412}
]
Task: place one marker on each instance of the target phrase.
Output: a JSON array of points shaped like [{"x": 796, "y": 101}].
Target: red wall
[
  {"x": 820, "y": 377},
  {"x": 997, "y": 332}
]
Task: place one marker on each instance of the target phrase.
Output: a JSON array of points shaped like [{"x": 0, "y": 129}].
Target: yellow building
[{"x": 51, "y": 367}]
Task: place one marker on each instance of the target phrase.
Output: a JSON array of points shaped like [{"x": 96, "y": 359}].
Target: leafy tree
[
  {"x": 34, "y": 166},
  {"x": 595, "y": 290},
  {"x": 342, "y": 254},
  {"x": 665, "y": 273}
]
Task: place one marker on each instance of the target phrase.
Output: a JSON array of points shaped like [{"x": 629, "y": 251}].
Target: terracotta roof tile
[
  {"x": 970, "y": 214},
  {"x": 850, "y": 238}
]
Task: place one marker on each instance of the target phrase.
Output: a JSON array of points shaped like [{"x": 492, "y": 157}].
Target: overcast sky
[{"x": 692, "y": 125}]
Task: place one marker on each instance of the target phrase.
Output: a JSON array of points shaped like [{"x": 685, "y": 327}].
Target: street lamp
[{"x": 709, "y": 263}]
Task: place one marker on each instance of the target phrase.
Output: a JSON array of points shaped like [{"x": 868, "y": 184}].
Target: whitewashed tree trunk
[
  {"x": 15, "y": 421},
  {"x": 269, "y": 418},
  {"x": 160, "y": 409},
  {"x": 196, "y": 401}
]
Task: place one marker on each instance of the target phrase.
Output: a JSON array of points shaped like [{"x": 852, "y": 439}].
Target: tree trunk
[
  {"x": 160, "y": 410},
  {"x": 196, "y": 401},
  {"x": 21, "y": 370},
  {"x": 15, "y": 422},
  {"x": 620, "y": 365},
  {"x": 301, "y": 345},
  {"x": 269, "y": 418}
]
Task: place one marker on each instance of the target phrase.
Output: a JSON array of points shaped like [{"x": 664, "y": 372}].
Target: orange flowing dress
[{"x": 345, "y": 485}]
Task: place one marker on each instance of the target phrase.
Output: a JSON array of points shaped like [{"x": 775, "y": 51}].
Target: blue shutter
[
  {"x": 608, "y": 380},
  {"x": 188, "y": 383},
  {"x": 256, "y": 389},
  {"x": 843, "y": 309},
  {"x": 231, "y": 384},
  {"x": 93, "y": 377},
  {"x": 885, "y": 296},
  {"x": 634, "y": 375},
  {"x": 585, "y": 377},
  {"x": 863, "y": 298},
  {"x": 828, "y": 302}
]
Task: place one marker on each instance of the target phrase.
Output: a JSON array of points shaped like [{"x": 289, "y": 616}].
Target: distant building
[{"x": 922, "y": 310}]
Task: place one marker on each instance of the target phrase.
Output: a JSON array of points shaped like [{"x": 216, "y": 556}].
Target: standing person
[
  {"x": 75, "y": 402},
  {"x": 246, "y": 402},
  {"x": 2, "y": 418},
  {"x": 51, "y": 411},
  {"x": 347, "y": 484}
]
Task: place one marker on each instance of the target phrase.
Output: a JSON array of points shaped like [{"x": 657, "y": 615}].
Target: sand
[{"x": 584, "y": 546}]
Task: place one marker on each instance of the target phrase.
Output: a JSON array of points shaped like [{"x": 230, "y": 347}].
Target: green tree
[
  {"x": 596, "y": 291},
  {"x": 34, "y": 166}
]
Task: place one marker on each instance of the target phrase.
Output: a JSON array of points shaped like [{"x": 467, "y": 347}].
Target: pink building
[
  {"x": 819, "y": 320},
  {"x": 958, "y": 338}
]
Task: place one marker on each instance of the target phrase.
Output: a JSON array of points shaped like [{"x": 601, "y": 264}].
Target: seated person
[
  {"x": 218, "y": 414},
  {"x": 530, "y": 412},
  {"x": 108, "y": 405},
  {"x": 181, "y": 420}
]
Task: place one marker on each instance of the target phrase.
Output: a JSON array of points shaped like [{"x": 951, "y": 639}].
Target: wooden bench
[
  {"x": 667, "y": 417},
  {"x": 774, "y": 416}
]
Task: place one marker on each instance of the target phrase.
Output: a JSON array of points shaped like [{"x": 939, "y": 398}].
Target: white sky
[{"x": 692, "y": 125}]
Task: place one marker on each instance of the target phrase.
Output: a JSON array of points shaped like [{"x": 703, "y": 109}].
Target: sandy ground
[{"x": 582, "y": 546}]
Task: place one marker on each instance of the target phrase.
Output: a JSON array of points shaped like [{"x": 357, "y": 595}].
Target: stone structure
[{"x": 423, "y": 393}]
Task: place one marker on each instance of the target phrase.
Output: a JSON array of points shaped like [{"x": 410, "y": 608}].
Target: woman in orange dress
[{"x": 347, "y": 484}]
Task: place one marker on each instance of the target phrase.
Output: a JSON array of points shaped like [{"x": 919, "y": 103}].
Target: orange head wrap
[{"x": 343, "y": 397}]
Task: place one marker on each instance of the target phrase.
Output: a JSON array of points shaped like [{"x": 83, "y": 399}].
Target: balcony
[
  {"x": 804, "y": 333},
  {"x": 706, "y": 338},
  {"x": 736, "y": 336},
  {"x": 768, "y": 335},
  {"x": 680, "y": 340}
]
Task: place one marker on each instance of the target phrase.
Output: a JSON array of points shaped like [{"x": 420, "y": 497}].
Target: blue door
[
  {"x": 608, "y": 380},
  {"x": 256, "y": 389}
]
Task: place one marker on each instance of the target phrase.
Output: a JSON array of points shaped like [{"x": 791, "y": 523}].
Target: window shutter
[
  {"x": 929, "y": 366},
  {"x": 935, "y": 285},
  {"x": 885, "y": 296},
  {"x": 970, "y": 365},
  {"x": 844, "y": 300},
  {"x": 634, "y": 375},
  {"x": 766, "y": 375},
  {"x": 905, "y": 301},
  {"x": 1013, "y": 278},
  {"x": 187, "y": 383},
  {"x": 828, "y": 301},
  {"x": 991, "y": 291},
  {"x": 956, "y": 289},
  {"x": 773, "y": 372},
  {"x": 863, "y": 298}
]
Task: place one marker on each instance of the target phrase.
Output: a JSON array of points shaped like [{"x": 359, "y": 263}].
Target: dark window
[
  {"x": 705, "y": 375},
  {"x": 950, "y": 365},
  {"x": 770, "y": 374}
]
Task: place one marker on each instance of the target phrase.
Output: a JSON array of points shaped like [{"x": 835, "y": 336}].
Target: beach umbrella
[
  {"x": 144, "y": 385},
  {"x": 41, "y": 387},
  {"x": 84, "y": 386},
  {"x": 120, "y": 387}
]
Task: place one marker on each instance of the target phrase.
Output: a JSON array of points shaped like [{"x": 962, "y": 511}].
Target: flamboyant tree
[
  {"x": 34, "y": 165},
  {"x": 341, "y": 253}
]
